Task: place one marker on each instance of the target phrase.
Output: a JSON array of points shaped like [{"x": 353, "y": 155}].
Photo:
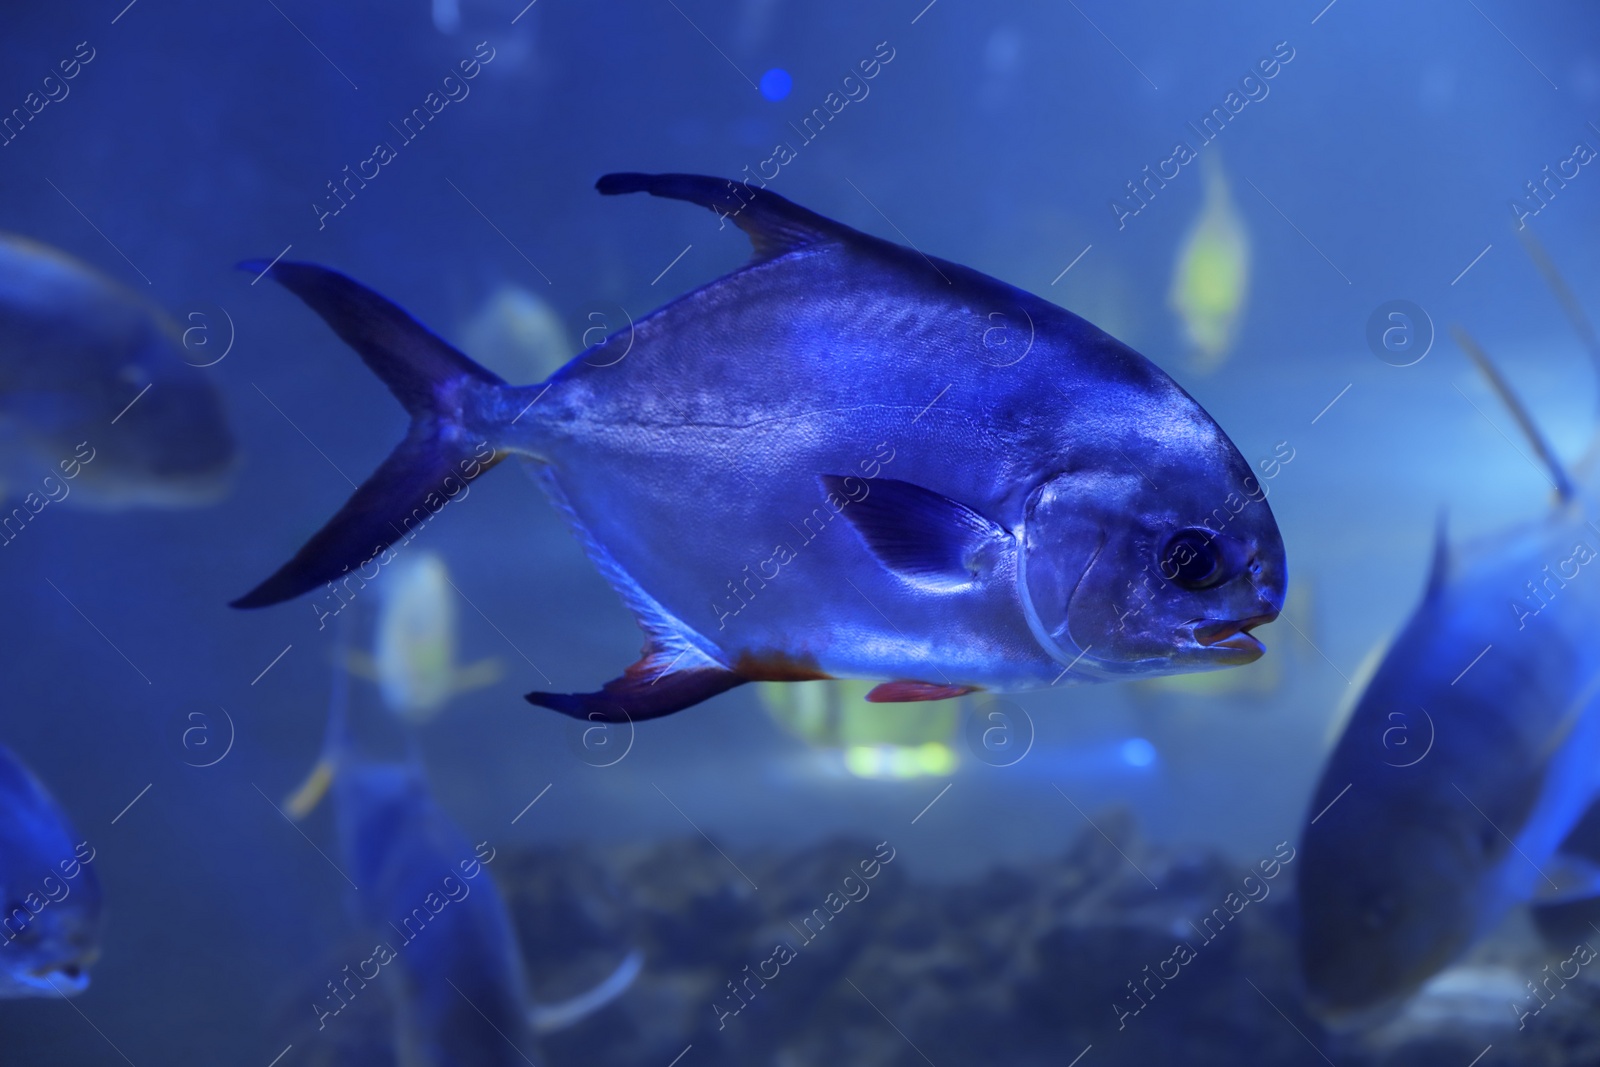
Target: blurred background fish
[
  {"x": 50, "y": 901},
  {"x": 872, "y": 740},
  {"x": 414, "y": 656},
  {"x": 1211, "y": 275},
  {"x": 518, "y": 335},
  {"x": 445, "y": 956},
  {"x": 1478, "y": 773},
  {"x": 446, "y": 15},
  {"x": 414, "y": 649},
  {"x": 97, "y": 403}
]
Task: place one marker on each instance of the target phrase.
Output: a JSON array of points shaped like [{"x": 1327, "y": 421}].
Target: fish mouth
[
  {"x": 68, "y": 977},
  {"x": 1231, "y": 637}
]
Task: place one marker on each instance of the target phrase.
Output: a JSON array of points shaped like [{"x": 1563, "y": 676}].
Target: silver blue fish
[
  {"x": 1025, "y": 501},
  {"x": 1468, "y": 761},
  {"x": 50, "y": 900},
  {"x": 445, "y": 955},
  {"x": 98, "y": 405}
]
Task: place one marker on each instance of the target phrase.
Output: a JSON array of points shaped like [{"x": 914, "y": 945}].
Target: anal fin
[
  {"x": 654, "y": 686},
  {"x": 675, "y": 670}
]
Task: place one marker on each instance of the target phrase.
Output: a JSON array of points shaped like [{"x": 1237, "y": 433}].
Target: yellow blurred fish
[
  {"x": 414, "y": 657},
  {"x": 875, "y": 740},
  {"x": 1211, "y": 277},
  {"x": 518, "y": 335}
]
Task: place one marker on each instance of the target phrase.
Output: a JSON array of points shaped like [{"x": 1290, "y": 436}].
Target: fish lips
[
  {"x": 67, "y": 978},
  {"x": 1230, "y": 639}
]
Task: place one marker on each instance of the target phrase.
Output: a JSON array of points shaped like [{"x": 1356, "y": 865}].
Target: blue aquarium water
[{"x": 1033, "y": 367}]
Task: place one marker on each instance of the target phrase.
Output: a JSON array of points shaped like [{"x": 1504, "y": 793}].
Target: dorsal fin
[
  {"x": 1563, "y": 294},
  {"x": 1558, "y": 473},
  {"x": 775, "y": 225},
  {"x": 1580, "y": 325},
  {"x": 1439, "y": 571}
]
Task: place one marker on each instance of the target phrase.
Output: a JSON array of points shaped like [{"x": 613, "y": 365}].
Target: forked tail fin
[
  {"x": 447, "y": 396},
  {"x": 548, "y": 1018}
]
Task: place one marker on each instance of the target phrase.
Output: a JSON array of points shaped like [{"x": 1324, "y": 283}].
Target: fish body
[
  {"x": 1470, "y": 758},
  {"x": 95, "y": 394},
  {"x": 1211, "y": 277},
  {"x": 50, "y": 899},
  {"x": 844, "y": 460}
]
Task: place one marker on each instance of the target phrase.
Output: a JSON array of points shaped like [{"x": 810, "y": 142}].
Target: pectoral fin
[{"x": 917, "y": 533}]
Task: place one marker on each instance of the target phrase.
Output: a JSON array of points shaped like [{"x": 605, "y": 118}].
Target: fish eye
[{"x": 1193, "y": 560}]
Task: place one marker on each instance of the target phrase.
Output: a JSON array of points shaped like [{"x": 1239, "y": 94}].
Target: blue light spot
[
  {"x": 1137, "y": 752},
  {"x": 776, "y": 83}
]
